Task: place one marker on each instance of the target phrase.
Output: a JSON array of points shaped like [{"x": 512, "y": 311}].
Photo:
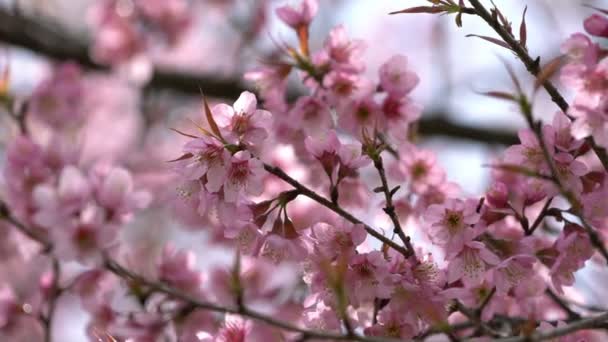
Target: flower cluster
[{"x": 283, "y": 191}]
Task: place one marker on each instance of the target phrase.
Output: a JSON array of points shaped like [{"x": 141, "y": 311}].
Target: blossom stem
[
  {"x": 533, "y": 66},
  {"x": 278, "y": 172},
  {"x": 572, "y": 315},
  {"x": 540, "y": 217},
  {"x": 6, "y": 215},
  {"x": 389, "y": 209},
  {"x": 55, "y": 293}
]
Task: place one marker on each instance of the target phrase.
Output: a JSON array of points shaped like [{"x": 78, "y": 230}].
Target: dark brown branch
[
  {"x": 572, "y": 315},
  {"x": 124, "y": 273},
  {"x": 52, "y": 41},
  {"x": 582, "y": 324}
]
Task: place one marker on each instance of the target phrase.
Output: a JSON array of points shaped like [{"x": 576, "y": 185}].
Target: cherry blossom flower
[
  {"x": 392, "y": 323},
  {"x": 311, "y": 115},
  {"x": 580, "y": 49},
  {"x": 360, "y": 115},
  {"x": 368, "y": 278},
  {"x": 396, "y": 78},
  {"x": 344, "y": 54},
  {"x": 418, "y": 167},
  {"x": 57, "y": 101},
  {"x": 471, "y": 263},
  {"x": 453, "y": 224},
  {"x": 529, "y": 153},
  {"x": 84, "y": 238},
  {"x": 593, "y": 209},
  {"x": 574, "y": 248},
  {"x": 511, "y": 272},
  {"x": 115, "y": 192},
  {"x": 300, "y": 17},
  {"x": 242, "y": 174},
  {"x": 339, "y": 239},
  {"x": 597, "y": 25},
  {"x": 207, "y": 155},
  {"x": 177, "y": 268},
  {"x": 243, "y": 122},
  {"x": 56, "y": 205}
]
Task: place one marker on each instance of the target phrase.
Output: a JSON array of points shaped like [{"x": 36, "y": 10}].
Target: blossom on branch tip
[{"x": 298, "y": 17}]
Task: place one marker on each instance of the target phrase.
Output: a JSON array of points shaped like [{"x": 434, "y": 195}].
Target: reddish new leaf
[
  {"x": 547, "y": 71},
  {"x": 422, "y": 9},
  {"x": 182, "y": 133},
  {"x": 491, "y": 40},
  {"x": 523, "y": 35},
  {"x": 500, "y": 95},
  {"x": 211, "y": 121},
  {"x": 182, "y": 157}
]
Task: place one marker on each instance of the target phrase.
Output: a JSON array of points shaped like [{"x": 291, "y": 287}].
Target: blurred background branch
[{"x": 49, "y": 39}]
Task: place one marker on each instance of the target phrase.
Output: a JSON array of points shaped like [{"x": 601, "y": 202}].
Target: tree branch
[
  {"x": 533, "y": 66},
  {"x": 124, "y": 273},
  {"x": 585, "y": 323}
]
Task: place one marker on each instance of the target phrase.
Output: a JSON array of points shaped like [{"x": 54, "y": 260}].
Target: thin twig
[
  {"x": 572, "y": 315},
  {"x": 55, "y": 293},
  {"x": 333, "y": 207},
  {"x": 389, "y": 209}
]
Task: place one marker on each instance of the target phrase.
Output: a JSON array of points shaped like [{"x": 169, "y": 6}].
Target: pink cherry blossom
[
  {"x": 344, "y": 54},
  {"x": 115, "y": 192},
  {"x": 207, "y": 155},
  {"x": 85, "y": 237},
  {"x": 597, "y": 25},
  {"x": 529, "y": 153},
  {"x": 511, "y": 272},
  {"x": 243, "y": 174},
  {"x": 243, "y": 122},
  {"x": 368, "y": 278},
  {"x": 300, "y": 17},
  {"x": 311, "y": 115},
  {"x": 398, "y": 114},
  {"x": 339, "y": 239},
  {"x": 593, "y": 209},
  {"x": 391, "y": 323},
  {"x": 57, "y": 101},
  {"x": 360, "y": 115},
  {"x": 396, "y": 78},
  {"x": 418, "y": 167},
  {"x": 574, "y": 248},
  {"x": 177, "y": 268},
  {"x": 55, "y": 205},
  {"x": 452, "y": 224},
  {"x": 471, "y": 263},
  {"x": 579, "y": 48}
]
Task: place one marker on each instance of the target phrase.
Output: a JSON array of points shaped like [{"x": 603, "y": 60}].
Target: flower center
[
  {"x": 240, "y": 124},
  {"x": 239, "y": 172},
  {"x": 453, "y": 220},
  {"x": 419, "y": 170}
]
